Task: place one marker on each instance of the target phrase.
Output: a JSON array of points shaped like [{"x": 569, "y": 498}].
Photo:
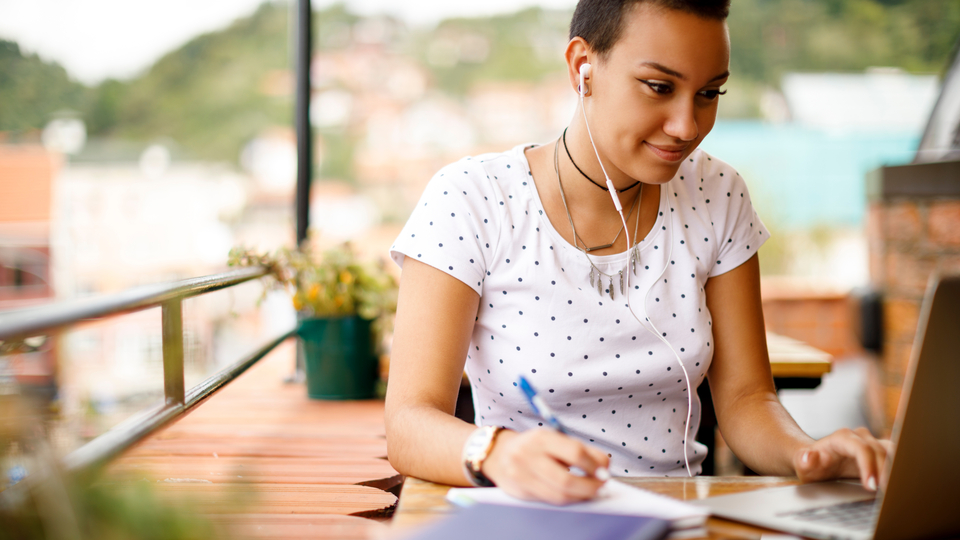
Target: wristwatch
[{"x": 475, "y": 452}]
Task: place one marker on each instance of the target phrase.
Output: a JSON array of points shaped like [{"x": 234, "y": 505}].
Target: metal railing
[{"x": 25, "y": 323}]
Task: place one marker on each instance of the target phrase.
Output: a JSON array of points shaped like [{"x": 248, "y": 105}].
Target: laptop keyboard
[{"x": 857, "y": 515}]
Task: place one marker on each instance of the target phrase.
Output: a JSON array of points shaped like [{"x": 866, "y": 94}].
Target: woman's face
[{"x": 654, "y": 97}]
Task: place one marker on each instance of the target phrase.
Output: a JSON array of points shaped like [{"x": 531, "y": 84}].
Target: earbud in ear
[{"x": 584, "y": 73}]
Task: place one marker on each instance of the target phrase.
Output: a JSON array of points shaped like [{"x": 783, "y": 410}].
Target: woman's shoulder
[
  {"x": 710, "y": 174},
  {"x": 487, "y": 170},
  {"x": 482, "y": 183}
]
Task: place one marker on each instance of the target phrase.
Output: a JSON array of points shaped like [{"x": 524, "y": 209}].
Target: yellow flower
[
  {"x": 314, "y": 291},
  {"x": 338, "y": 300},
  {"x": 346, "y": 277},
  {"x": 297, "y": 304}
]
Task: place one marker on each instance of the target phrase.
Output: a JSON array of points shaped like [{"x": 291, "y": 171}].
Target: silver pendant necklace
[
  {"x": 596, "y": 275},
  {"x": 576, "y": 237}
]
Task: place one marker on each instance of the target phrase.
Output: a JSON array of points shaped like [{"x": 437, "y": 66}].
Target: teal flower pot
[{"x": 339, "y": 357}]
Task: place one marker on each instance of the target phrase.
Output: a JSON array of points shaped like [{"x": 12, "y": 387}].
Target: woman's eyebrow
[
  {"x": 723, "y": 75},
  {"x": 664, "y": 69},
  {"x": 677, "y": 74}
]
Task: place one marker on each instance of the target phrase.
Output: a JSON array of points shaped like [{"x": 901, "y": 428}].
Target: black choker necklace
[{"x": 628, "y": 188}]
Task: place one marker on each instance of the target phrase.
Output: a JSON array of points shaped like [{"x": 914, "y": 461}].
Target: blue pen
[
  {"x": 539, "y": 406},
  {"x": 544, "y": 411}
]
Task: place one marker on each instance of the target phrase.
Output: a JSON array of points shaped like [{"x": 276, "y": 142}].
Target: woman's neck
[
  {"x": 590, "y": 207},
  {"x": 583, "y": 179}
]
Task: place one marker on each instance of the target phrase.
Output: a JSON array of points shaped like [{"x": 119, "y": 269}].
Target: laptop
[{"x": 922, "y": 497}]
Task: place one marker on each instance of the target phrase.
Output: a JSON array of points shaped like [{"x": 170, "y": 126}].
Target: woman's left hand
[{"x": 845, "y": 453}]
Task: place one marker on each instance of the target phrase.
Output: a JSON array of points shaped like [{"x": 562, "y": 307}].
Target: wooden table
[
  {"x": 423, "y": 502},
  {"x": 793, "y": 359}
]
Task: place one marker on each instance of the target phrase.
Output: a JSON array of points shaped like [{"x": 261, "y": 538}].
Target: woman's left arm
[{"x": 753, "y": 422}]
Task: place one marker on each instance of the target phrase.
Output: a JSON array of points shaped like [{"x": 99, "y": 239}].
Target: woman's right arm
[{"x": 435, "y": 317}]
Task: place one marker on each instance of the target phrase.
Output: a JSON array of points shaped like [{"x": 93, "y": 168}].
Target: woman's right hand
[{"x": 535, "y": 465}]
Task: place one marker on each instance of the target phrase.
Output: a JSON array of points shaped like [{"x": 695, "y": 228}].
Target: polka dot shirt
[{"x": 612, "y": 382}]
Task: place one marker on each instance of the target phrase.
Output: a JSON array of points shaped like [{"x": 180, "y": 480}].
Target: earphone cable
[{"x": 654, "y": 331}]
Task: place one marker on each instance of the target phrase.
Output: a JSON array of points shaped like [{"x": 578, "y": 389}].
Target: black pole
[{"x": 302, "y": 117}]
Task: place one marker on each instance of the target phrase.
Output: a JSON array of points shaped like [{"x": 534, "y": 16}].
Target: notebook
[
  {"x": 499, "y": 522},
  {"x": 614, "y": 498},
  {"x": 921, "y": 497}
]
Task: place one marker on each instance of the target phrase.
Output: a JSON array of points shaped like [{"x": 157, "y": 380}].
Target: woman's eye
[
  {"x": 712, "y": 94},
  {"x": 658, "y": 87}
]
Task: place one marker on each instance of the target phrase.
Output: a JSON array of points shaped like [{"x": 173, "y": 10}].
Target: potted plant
[{"x": 342, "y": 304}]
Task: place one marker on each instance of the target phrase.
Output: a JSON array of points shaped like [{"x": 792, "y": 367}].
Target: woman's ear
[{"x": 578, "y": 54}]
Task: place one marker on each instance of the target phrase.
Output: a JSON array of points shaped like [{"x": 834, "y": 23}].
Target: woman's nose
[{"x": 682, "y": 122}]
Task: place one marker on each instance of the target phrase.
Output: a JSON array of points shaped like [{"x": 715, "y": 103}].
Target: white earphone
[
  {"x": 584, "y": 73},
  {"x": 585, "y": 69}
]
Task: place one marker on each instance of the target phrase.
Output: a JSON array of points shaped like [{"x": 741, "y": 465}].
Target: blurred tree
[
  {"x": 31, "y": 90},
  {"x": 771, "y": 37},
  {"x": 104, "y": 109},
  {"x": 209, "y": 95},
  {"x": 522, "y": 46}
]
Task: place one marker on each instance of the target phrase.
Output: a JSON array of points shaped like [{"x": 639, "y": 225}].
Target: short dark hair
[{"x": 600, "y": 22}]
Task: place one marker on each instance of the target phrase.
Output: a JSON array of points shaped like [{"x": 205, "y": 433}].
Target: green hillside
[
  {"x": 770, "y": 37},
  {"x": 206, "y": 95},
  {"x": 522, "y": 46},
  {"x": 209, "y": 95},
  {"x": 32, "y": 89}
]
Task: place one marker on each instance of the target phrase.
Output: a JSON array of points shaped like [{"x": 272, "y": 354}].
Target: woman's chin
[{"x": 657, "y": 174}]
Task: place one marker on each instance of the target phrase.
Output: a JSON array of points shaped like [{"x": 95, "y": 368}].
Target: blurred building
[
  {"x": 27, "y": 175},
  {"x": 405, "y": 129},
  {"x": 914, "y": 232},
  {"x": 882, "y": 99}
]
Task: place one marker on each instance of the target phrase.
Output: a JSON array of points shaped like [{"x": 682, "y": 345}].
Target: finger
[
  {"x": 870, "y": 457},
  {"x": 518, "y": 480},
  {"x": 554, "y": 483},
  {"x": 602, "y": 472},
  {"x": 540, "y": 474},
  {"x": 856, "y": 455},
  {"x": 807, "y": 465},
  {"x": 887, "y": 445},
  {"x": 574, "y": 453},
  {"x": 879, "y": 451}
]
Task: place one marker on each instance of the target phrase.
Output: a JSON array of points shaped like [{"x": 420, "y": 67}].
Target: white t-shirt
[{"x": 610, "y": 381}]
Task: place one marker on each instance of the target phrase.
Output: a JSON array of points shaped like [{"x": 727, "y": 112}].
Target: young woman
[{"x": 519, "y": 263}]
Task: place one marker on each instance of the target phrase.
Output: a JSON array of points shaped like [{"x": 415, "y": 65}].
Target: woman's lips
[{"x": 667, "y": 153}]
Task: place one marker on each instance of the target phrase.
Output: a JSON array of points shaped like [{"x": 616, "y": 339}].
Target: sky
[{"x": 99, "y": 39}]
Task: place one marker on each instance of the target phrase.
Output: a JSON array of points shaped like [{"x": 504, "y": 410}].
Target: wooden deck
[{"x": 264, "y": 461}]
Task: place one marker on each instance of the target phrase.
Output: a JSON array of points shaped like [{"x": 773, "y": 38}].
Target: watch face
[{"x": 478, "y": 442}]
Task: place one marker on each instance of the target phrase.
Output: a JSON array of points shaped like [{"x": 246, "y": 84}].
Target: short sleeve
[
  {"x": 455, "y": 225},
  {"x": 739, "y": 230}
]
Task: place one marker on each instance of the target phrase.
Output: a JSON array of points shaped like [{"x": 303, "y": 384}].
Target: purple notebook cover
[{"x": 495, "y": 522}]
